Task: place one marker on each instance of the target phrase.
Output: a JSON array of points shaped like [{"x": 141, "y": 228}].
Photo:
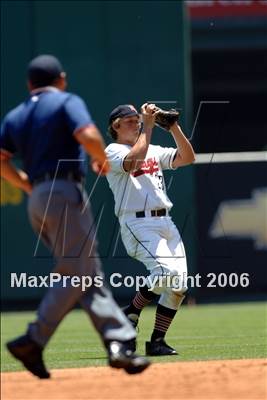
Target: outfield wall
[{"x": 231, "y": 235}]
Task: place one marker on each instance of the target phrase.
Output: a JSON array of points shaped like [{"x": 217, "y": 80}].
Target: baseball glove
[{"x": 165, "y": 119}]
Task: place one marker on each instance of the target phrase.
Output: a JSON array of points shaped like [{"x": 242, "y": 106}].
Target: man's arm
[
  {"x": 136, "y": 156},
  {"x": 93, "y": 143},
  {"x": 185, "y": 154},
  {"x": 16, "y": 177}
]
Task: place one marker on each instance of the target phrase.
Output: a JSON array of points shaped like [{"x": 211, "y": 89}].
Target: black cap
[
  {"x": 43, "y": 70},
  {"x": 124, "y": 110}
]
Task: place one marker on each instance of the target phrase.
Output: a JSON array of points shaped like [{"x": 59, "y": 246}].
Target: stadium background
[{"x": 115, "y": 52}]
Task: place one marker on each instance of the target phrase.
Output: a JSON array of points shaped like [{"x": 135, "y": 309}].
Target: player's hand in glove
[
  {"x": 166, "y": 119},
  {"x": 149, "y": 113}
]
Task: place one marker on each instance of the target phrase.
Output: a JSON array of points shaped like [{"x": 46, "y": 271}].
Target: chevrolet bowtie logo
[{"x": 243, "y": 219}]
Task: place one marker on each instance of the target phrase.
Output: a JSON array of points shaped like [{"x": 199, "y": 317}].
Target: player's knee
[
  {"x": 157, "y": 280},
  {"x": 171, "y": 299},
  {"x": 162, "y": 279},
  {"x": 178, "y": 282},
  {"x": 181, "y": 289}
]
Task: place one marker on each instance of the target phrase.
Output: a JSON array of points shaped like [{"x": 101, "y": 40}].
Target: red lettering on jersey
[{"x": 149, "y": 166}]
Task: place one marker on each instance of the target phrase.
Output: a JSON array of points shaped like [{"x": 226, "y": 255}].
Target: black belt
[
  {"x": 162, "y": 212},
  {"x": 65, "y": 175}
]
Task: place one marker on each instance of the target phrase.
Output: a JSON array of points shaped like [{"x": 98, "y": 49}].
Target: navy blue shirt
[{"x": 40, "y": 131}]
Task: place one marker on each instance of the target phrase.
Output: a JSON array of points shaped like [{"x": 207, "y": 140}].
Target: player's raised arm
[
  {"x": 185, "y": 154},
  {"x": 136, "y": 156}
]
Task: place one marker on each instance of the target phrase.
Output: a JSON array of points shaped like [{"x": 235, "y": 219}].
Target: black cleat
[
  {"x": 121, "y": 356},
  {"x": 159, "y": 348},
  {"x": 30, "y": 354}
]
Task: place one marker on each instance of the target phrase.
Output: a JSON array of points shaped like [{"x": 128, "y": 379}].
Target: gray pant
[{"x": 60, "y": 215}]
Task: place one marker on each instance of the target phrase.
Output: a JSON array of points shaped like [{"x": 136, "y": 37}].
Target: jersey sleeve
[
  {"x": 77, "y": 114},
  {"x": 166, "y": 156},
  {"x": 116, "y": 154},
  {"x": 6, "y": 143}
]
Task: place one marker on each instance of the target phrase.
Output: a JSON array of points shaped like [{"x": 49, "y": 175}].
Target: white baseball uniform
[{"x": 153, "y": 240}]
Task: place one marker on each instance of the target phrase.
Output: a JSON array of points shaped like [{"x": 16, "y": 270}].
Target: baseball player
[
  {"x": 143, "y": 209},
  {"x": 51, "y": 132}
]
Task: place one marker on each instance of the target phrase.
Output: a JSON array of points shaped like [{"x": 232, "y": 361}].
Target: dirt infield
[{"x": 228, "y": 379}]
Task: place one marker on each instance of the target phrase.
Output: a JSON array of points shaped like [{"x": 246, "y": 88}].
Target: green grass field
[{"x": 202, "y": 332}]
